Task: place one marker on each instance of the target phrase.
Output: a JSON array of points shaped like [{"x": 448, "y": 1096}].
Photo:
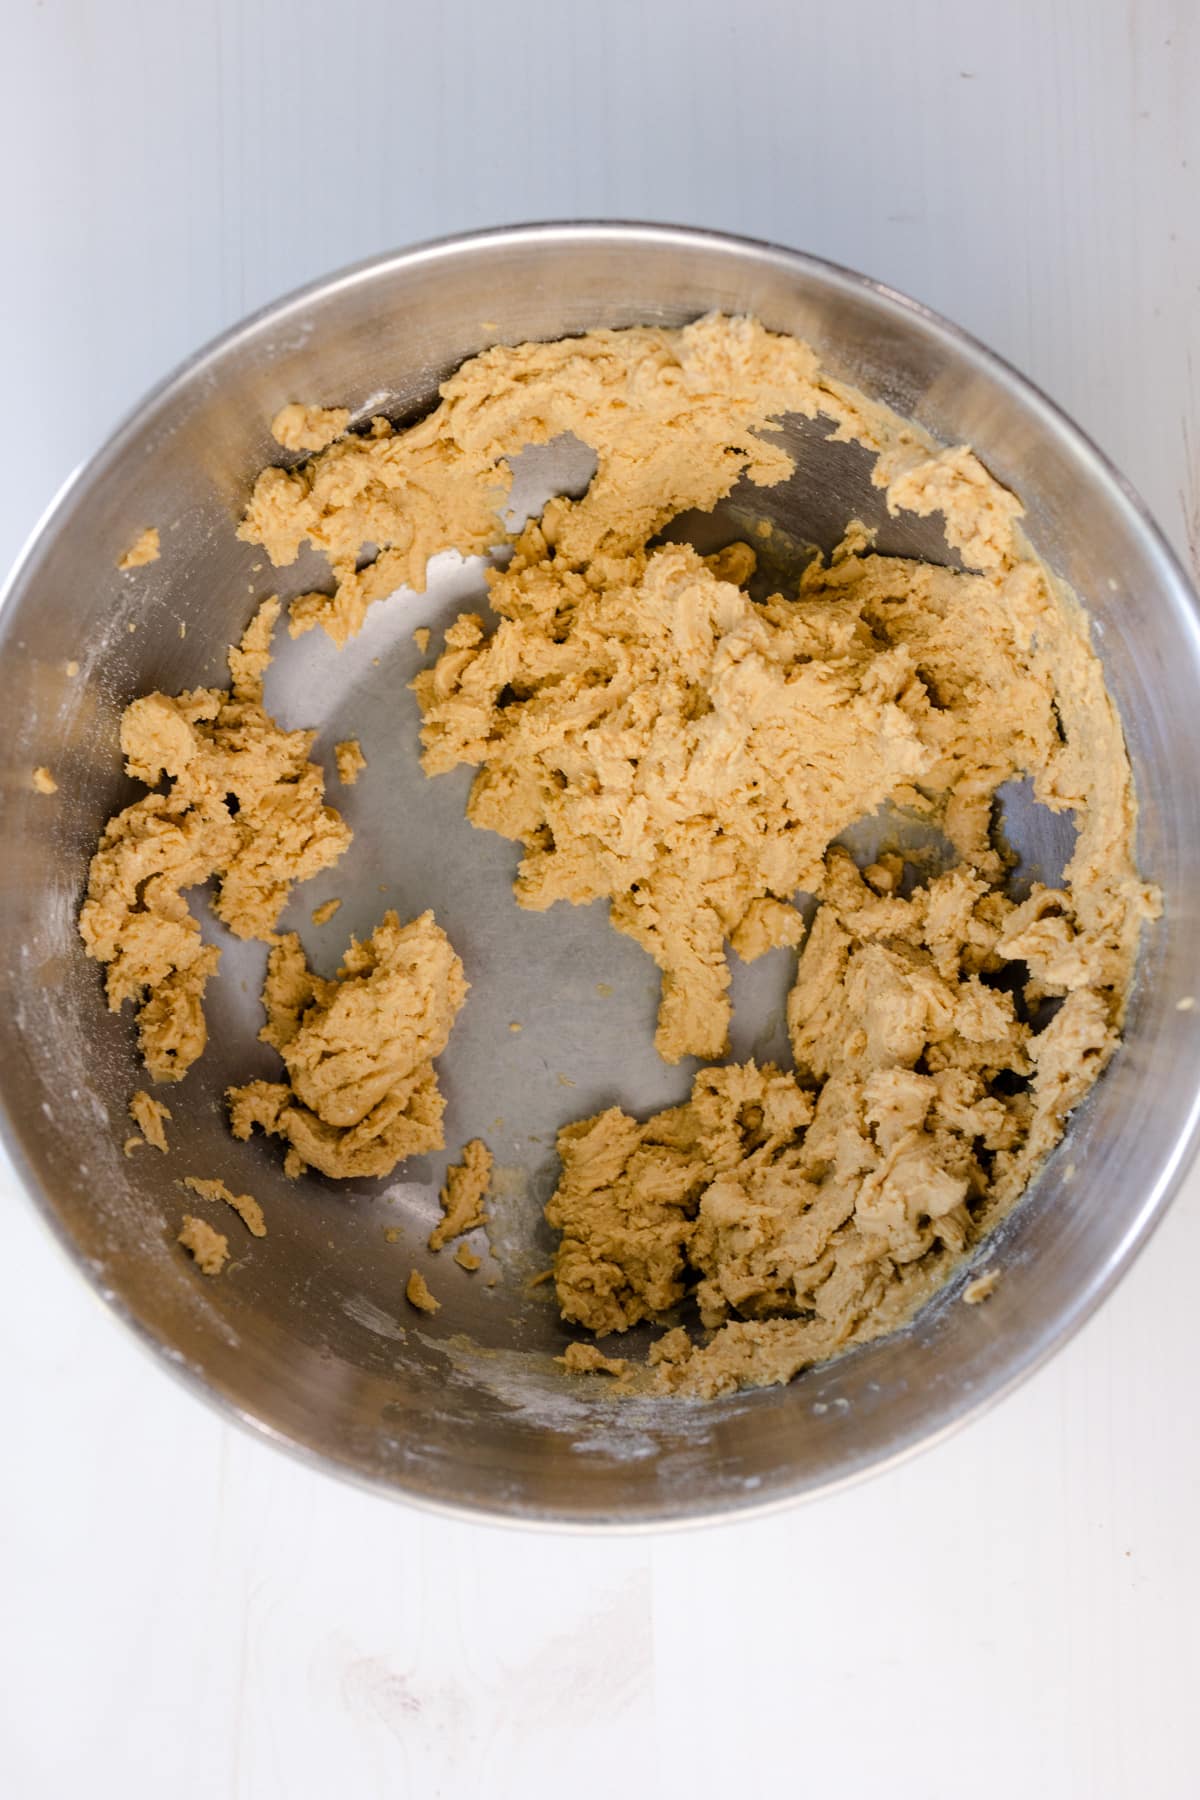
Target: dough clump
[
  {"x": 805, "y": 1212},
  {"x": 462, "y": 1198},
  {"x": 418, "y": 1293},
  {"x": 673, "y": 416},
  {"x": 300, "y": 427},
  {"x": 208, "y": 1248},
  {"x": 243, "y": 803},
  {"x": 362, "y": 1092},
  {"x": 654, "y": 736},
  {"x": 585, "y": 1359},
  {"x": 350, "y": 761},
  {"x": 151, "y": 1118}
]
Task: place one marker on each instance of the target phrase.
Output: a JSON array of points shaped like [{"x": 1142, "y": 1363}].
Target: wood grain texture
[{"x": 187, "y": 1612}]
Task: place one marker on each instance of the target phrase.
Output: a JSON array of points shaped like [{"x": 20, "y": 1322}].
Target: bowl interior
[{"x": 307, "y": 1333}]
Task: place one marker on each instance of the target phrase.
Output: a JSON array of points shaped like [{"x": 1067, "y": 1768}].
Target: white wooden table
[{"x": 185, "y": 1613}]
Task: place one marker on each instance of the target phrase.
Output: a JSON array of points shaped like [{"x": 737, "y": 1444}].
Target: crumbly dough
[
  {"x": 654, "y": 737},
  {"x": 462, "y": 1198},
  {"x": 43, "y": 781},
  {"x": 151, "y": 1117},
  {"x": 299, "y": 427},
  {"x": 143, "y": 550},
  {"x": 419, "y": 1294},
  {"x": 466, "y": 1259},
  {"x": 673, "y": 746},
  {"x": 585, "y": 1359},
  {"x": 322, "y": 914},
  {"x": 209, "y": 745},
  {"x": 362, "y": 1092},
  {"x": 981, "y": 1288},
  {"x": 810, "y": 1211},
  {"x": 674, "y": 418},
  {"x": 350, "y": 761},
  {"x": 208, "y": 1248},
  {"x": 244, "y": 1205},
  {"x": 421, "y": 637}
]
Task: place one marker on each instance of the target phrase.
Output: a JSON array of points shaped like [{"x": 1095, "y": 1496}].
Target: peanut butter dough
[
  {"x": 350, "y": 761},
  {"x": 143, "y": 550},
  {"x": 244, "y": 1205},
  {"x": 810, "y": 1211},
  {"x": 585, "y": 1359},
  {"x": 208, "y": 1248},
  {"x": 463, "y": 1196},
  {"x": 654, "y": 737},
  {"x": 244, "y": 804},
  {"x": 362, "y": 1092},
  {"x": 419, "y": 1294},
  {"x": 649, "y": 733},
  {"x": 299, "y": 427},
  {"x": 151, "y": 1117}
]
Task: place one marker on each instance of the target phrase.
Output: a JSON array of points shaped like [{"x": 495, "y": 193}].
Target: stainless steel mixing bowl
[{"x": 307, "y": 1337}]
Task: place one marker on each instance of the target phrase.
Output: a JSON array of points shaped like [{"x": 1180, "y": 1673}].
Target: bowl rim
[{"x": 1118, "y": 490}]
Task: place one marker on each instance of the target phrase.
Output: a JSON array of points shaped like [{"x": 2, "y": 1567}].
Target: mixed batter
[{"x": 653, "y": 736}]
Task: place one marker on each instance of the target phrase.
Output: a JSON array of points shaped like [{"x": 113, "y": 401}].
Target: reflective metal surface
[{"x": 307, "y": 1336}]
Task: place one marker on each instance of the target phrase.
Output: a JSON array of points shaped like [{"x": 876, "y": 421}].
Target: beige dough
[
  {"x": 463, "y": 1196},
  {"x": 585, "y": 1359},
  {"x": 419, "y": 1294},
  {"x": 299, "y": 427},
  {"x": 151, "y": 1117},
  {"x": 350, "y": 761},
  {"x": 143, "y": 550},
  {"x": 209, "y": 744},
  {"x": 816, "y": 1210},
  {"x": 648, "y": 733},
  {"x": 208, "y": 1248},
  {"x": 43, "y": 781},
  {"x": 688, "y": 754},
  {"x": 362, "y": 1092},
  {"x": 244, "y": 1205},
  {"x": 654, "y": 737},
  {"x": 322, "y": 914}
]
